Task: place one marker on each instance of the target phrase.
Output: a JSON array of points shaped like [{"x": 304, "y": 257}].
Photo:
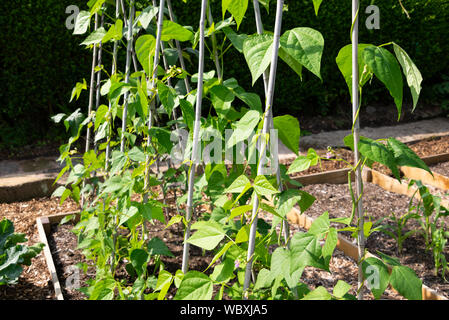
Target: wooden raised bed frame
[
  {"x": 294, "y": 216},
  {"x": 44, "y": 228}
]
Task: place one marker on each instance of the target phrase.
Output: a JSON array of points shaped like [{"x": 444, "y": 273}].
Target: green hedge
[
  {"x": 424, "y": 36},
  {"x": 42, "y": 60}
]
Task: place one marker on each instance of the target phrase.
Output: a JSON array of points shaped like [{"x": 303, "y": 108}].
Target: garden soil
[
  {"x": 379, "y": 204},
  {"x": 62, "y": 242},
  {"x": 35, "y": 282}
]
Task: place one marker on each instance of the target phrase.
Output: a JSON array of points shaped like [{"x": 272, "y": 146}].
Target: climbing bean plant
[
  {"x": 375, "y": 61},
  {"x": 157, "y": 109}
]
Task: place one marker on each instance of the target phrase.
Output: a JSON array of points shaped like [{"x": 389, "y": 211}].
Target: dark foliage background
[{"x": 41, "y": 60}]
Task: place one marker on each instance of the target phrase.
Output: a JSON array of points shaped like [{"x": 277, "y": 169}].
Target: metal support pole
[
  {"x": 153, "y": 82},
  {"x": 266, "y": 124},
  {"x": 178, "y": 47},
  {"x": 260, "y": 30},
  {"x": 127, "y": 73},
  {"x": 356, "y": 131},
  {"x": 113, "y": 71},
  {"x": 196, "y": 131}
]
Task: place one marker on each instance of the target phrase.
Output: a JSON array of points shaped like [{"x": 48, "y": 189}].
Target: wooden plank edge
[
  {"x": 48, "y": 256},
  {"x": 437, "y": 180},
  {"x": 435, "y": 159},
  {"x": 339, "y": 176},
  {"x": 393, "y": 185},
  {"x": 44, "y": 227},
  {"x": 57, "y": 218},
  {"x": 351, "y": 250}
]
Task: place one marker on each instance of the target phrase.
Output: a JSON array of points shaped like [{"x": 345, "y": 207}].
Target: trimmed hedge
[
  {"x": 42, "y": 60},
  {"x": 424, "y": 37}
]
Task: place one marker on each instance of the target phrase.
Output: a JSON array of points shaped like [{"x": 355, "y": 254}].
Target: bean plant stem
[
  {"x": 194, "y": 158},
  {"x": 214, "y": 44},
  {"x": 113, "y": 71},
  {"x": 260, "y": 30},
  {"x": 266, "y": 124},
  {"x": 166, "y": 67},
  {"x": 91, "y": 98},
  {"x": 125, "y": 20},
  {"x": 97, "y": 93},
  {"x": 356, "y": 131},
  {"x": 92, "y": 86},
  {"x": 174, "y": 188},
  {"x": 160, "y": 21}
]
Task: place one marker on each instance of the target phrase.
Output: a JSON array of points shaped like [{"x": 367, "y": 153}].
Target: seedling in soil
[
  {"x": 429, "y": 214},
  {"x": 398, "y": 230}
]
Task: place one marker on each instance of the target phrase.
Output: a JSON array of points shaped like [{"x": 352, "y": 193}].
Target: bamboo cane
[
  {"x": 125, "y": 108},
  {"x": 153, "y": 81},
  {"x": 194, "y": 157},
  {"x": 178, "y": 47},
  {"x": 260, "y": 30},
  {"x": 266, "y": 124},
  {"x": 91, "y": 99},
  {"x": 108, "y": 147},
  {"x": 113, "y": 71},
  {"x": 356, "y": 129},
  {"x": 183, "y": 67},
  {"x": 127, "y": 73},
  {"x": 97, "y": 93},
  {"x": 92, "y": 86},
  {"x": 125, "y": 24},
  {"x": 166, "y": 66}
]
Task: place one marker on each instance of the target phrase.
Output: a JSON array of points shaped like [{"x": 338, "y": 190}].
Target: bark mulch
[
  {"x": 35, "y": 281},
  {"x": 441, "y": 168},
  {"x": 431, "y": 146}
]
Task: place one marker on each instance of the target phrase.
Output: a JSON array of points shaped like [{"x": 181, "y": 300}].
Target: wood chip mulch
[
  {"x": 431, "y": 146},
  {"x": 35, "y": 281}
]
